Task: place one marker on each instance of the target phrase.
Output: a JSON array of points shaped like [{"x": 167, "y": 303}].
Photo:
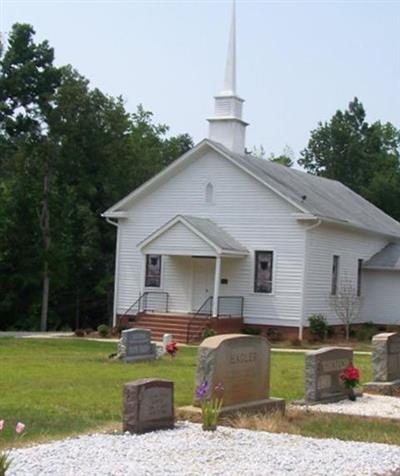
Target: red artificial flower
[
  {"x": 171, "y": 348},
  {"x": 350, "y": 375}
]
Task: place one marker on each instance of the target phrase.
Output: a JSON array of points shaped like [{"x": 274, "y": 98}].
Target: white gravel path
[
  {"x": 367, "y": 405},
  {"x": 188, "y": 450}
]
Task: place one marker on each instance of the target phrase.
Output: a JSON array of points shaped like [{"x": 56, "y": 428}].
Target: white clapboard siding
[
  {"x": 322, "y": 243},
  {"x": 253, "y": 215},
  {"x": 381, "y": 291},
  {"x": 179, "y": 240}
]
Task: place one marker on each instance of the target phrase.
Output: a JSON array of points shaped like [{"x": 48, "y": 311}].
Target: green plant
[
  {"x": 208, "y": 332},
  {"x": 210, "y": 406},
  {"x": 274, "y": 335},
  {"x": 5, "y": 460},
  {"x": 103, "y": 330},
  {"x": 318, "y": 326},
  {"x": 295, "y": 341},
  {"x": 253, "y": 331}
]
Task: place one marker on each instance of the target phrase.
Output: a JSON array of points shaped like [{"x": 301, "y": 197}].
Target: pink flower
[
  {"x": 20, "y": 427},
  {"x": 1, "y": 425}
]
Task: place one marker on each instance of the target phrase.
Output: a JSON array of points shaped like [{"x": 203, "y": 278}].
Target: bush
[
  {"x": 273, "y": 335},
  {"x": 318, "y": 326},
  {"x": 103, "y": 330},
  {"x": 208, "y": 332},
  {"x": 366, "y": 331},
  {"x": 295, "y": 341},
  {"x": 252, "y": 331},
  {"x": 79, "y": 333}
]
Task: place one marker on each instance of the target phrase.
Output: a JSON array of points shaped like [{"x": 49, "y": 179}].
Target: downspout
[
  {"x": 116, "y": 275},
  {"x": 305, "y": 254}
]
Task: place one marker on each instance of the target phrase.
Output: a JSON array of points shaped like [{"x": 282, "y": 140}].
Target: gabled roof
[
  {"x": 388, "y": 258},
  {"x": 212, "y": 234},
  {"x": 311, "y": 195}
]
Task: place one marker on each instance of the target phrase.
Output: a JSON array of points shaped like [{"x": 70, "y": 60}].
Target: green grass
[{"x": 63, "y": 387}]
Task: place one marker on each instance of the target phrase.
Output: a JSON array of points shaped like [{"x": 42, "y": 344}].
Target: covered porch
[{"x": 195, "y": 268}]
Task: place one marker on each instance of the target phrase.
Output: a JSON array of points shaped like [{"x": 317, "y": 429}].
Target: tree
[
  {"x": 286, "y": 158},
  {"x": 69, "y": 162},
  {"x": 347, "y": 304},
  {"x": 363, "y": 156},
  {"x": 28, "y": 81}
]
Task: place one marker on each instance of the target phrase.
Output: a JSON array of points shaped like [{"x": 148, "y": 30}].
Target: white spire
[
  {"x": 230, "y": 69},
  {"x": 227, "y": 126}
]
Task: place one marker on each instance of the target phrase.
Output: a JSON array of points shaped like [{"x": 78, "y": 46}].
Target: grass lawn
[{"x": 62, "y": 387}]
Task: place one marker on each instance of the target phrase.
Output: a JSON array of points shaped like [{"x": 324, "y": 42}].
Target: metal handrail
[
  {"x": 211, "y": 299},
  {"x": 142, "y": 299}
]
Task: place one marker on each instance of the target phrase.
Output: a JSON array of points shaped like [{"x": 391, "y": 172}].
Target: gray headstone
[
  {"x": 148, "y": 405},
  {"x": 322, "y": 370},
  {"x": 386, "y": 357},
  {"x": 135, "y": 344},
  {"x": 240, "y": 363}
]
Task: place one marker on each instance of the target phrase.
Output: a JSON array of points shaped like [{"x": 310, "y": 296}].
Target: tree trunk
[
  {"x": 45, "y": 227},
  {"x": 347, "y": 326},
  {"x": 45, "y": 297}
]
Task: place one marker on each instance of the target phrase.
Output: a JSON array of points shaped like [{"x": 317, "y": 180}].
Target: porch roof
[
  {"x": 198, "y": 236},
  {"x": 386, "y": 259}
]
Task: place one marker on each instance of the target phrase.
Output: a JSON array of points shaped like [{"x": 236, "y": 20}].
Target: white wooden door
[{"x": 203, "y": 281}]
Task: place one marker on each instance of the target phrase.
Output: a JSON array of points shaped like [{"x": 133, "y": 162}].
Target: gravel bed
[
  {"x": 188, "y": 450},
  {"x": 367, "y": 405}
]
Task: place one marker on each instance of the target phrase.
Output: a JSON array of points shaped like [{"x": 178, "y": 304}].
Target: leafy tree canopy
[{"x": 363, "y": 156}]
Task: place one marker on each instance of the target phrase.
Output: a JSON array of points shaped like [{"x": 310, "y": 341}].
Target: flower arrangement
[
  {"x": 350, "y": 378},
  {"x": 210, "y": 407},
  {"x": 5, "y": 459},
  {"x": 172, "y": 349}
]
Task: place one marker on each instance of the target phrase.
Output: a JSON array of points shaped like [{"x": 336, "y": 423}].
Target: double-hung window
[
  {"x": 153, "y": 271},
  {"x": 263, "y": 271},
  {"x": 359, "y": 276},
  {"x": 335, "y": 275}
]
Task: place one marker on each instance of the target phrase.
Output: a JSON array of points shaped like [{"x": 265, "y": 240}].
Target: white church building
[{"x": 220, "y": 236}]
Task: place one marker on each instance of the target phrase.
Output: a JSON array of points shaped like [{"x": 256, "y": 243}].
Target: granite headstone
[
  {"x": 322, "y": 370},
  {"x": 385, "y": 364},
  {"x": 241, "y": 363},
  {"x": 148, "y": 405},
  {"x": 136, "y": 345}
]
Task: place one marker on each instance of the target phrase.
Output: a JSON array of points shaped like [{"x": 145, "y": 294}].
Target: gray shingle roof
[
  {"x": 324, "y": 198},
  {"x": 387, "y": 258},
  {"x": 215, "y": 234}
]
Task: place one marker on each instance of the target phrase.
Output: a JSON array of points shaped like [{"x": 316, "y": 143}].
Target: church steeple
[{"x": 227, "y": 125}]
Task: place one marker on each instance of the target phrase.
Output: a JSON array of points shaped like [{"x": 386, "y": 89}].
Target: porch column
[{"x": 217, "y": 280}]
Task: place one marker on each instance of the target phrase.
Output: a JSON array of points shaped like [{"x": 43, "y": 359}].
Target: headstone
[
  {"x": 322, "y": 370},
  {"x": 135, "y": 345},
  {"x": 241, "y": 363},
  {"x": 148, "y": 405},
  {"x": 385, "y": 364}
]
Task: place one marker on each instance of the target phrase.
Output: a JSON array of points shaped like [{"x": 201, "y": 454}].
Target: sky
[{"x": 297, "y": 61}]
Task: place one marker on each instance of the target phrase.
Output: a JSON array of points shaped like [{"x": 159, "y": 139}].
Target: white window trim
[
  {"x": 154, "y": 288},
  {"x": 253, "y": 272},
  {"x": 337, "y": 274}
]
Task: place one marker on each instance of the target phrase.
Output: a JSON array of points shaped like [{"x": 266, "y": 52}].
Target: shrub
[
  {"x": 252, "y": 331},
  {"x": 79, "y": 333},
  {"x": 295, "y": 341},
  {"x": 273, "y": 335},
  {"x": 208, "y": 332},
  {"x": 366, "y": 331},
  {"x": 103, "y": 330},
  {"x": 318, "y": 326}
]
